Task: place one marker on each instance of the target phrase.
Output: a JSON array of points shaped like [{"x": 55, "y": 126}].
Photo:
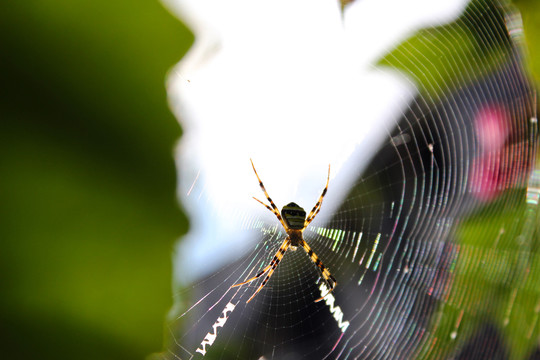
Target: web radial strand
[{"x": 432, "y": 241}]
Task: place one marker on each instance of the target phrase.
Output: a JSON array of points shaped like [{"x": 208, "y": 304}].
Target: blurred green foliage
[
  {"x": 495, "y": 281},
  {"x": 493, "y": 286},
  {"x": 441, "y": 59},
  {"x": 530, "y": 13},
  {"x": 88, "y": 212}
]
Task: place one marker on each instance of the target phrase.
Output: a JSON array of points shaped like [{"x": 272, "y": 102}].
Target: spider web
[{"x": 430, "y": 230}]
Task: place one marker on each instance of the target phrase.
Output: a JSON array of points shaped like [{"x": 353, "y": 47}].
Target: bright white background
[{"x": 293, "y": 85}]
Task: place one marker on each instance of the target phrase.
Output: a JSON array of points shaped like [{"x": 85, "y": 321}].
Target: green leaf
[{"x": 88, "y": 209}]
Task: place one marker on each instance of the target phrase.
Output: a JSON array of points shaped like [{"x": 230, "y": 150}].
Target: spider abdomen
[{"x": 294, "y": 216}]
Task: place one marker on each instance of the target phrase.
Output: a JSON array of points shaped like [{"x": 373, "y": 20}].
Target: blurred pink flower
[
  {"x": 499, "y": 163},
  {"x": 492, "y": 127}
]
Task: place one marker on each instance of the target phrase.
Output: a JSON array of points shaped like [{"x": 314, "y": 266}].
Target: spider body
[
  {"x": 294, "y": 216},
  {"x": 294, "y": 221}
]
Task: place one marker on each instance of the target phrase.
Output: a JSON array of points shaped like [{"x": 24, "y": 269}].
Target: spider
[{"x": 294, "y": 221}]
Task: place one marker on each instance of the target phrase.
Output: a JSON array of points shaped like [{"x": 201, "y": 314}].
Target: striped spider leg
[
  {"x": 318, "y": 205},
  {"x": 328, "y": 278},
  {"x": 294, "y": 221}
]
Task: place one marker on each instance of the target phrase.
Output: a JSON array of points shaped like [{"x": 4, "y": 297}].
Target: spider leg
[
  {"x": 275, "y": 261},
  {"x": 318, "y": 205},
  {"x": 270, "y": 268},
  {"x": 328, "y": 278},
  {"x": 269, "y": 208},
  {"x": 274, "y": 208},
  {"x": 276, "y": 258},
  {"x": 265, "y": 270}
]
